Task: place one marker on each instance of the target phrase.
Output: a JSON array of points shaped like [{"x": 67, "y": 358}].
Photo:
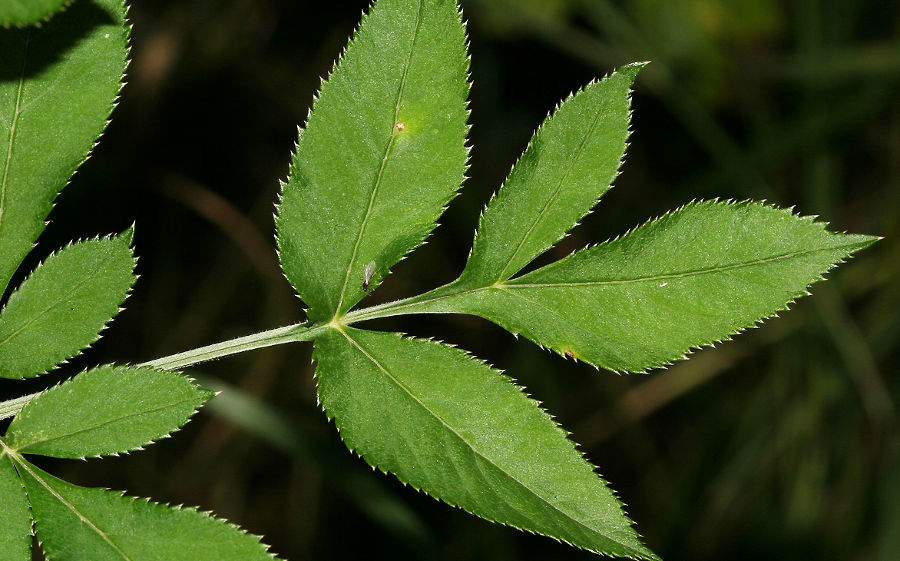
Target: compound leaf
[
  {"x": 15, "y": 523},
  {"x": 107, "y": 410},
  {"x": 457, "y": 429},
  {"x": 382, "y": 154},
  {"x": 64, "y": 304},
  {"x": 24, "y": 12},
  {"x": 691, "y": 278},
  {"x": 58, "y": 84},
  {"x": 569, "y": 164},
  {"x": 80, "y": 524}
]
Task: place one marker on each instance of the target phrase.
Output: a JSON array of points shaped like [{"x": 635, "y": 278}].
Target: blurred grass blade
[
  {"x": 569, "y": 164},
  {"x": 888, "y": 492},
  {"x": 371, "y": 496},
  {"x": 107, "y": 410},
  {"x": 689, "y": 279},
  {"x": 15, "y": 522},
  {"x": 62, "y": 307},
  {"x": 79, "y": 524},
  {"x": 457, "y": 429},
  {"x": 58, "y": 85},
  {"x": 381, "y": 155},
  {"x": 24, "y": 12}
]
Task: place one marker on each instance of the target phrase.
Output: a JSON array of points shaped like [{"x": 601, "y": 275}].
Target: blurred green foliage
[{"x": 783, "y": 443}]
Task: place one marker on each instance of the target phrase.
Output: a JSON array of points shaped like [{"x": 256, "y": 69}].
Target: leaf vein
[
  {"x": 553, "y": 197},
  {"x": 65, "y": 298},
  {"x": 108, "y": 422},
  {"x": 666, "y": 276},
  {"x": 471, "y": 447},
  {"x": 563, "y": 319},
  {"x": 387, "y": 154},
  {"x": 75, "y": 511},
  {"x": 12, "y": 130}
]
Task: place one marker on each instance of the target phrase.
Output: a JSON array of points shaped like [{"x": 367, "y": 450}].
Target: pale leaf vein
[
  {"x": 103, "y": 535},
  {"x": 12, "y": 132},
  {"x": 683, "y": 274},
  {"x": 97, "y": 426},
  {"x": 469, "y": 445},
  {"x": 553, "y": 197},
  {"x": 387, "y": 154}
]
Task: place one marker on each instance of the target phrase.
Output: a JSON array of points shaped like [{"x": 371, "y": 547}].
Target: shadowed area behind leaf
[{"x": 59, "y": 34}]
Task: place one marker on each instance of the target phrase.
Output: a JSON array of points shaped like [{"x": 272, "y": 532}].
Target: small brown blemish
[
  {"x": 400, "y": 126},
  {"x": 570, "y": 354}
]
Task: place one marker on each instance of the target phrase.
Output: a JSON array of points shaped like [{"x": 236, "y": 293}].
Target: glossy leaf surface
[
  {"x": 58, "y": 84},
  {"x": 107, "y": 410},
  {"x": 79, "y": 524},
  {"x": 381, "y": 155},
  {"x": 64, "y": 304},
  {"x": 459, "y": 430}
]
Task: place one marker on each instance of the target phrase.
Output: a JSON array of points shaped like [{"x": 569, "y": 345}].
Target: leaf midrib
[
  {"x": 426, "y": 300},
  {"x": 474, "y": 449},
  {"x": 98, "y": 426},
  {"x": 696, "y": 272},
  {"x": 12, "y": 130},
  {"x": 65, "y": 298},
  {"x": 503, "y": 276},
  {"x": 387, "y": 154},
  {"x": 73, "y": 508},
  {"x": 563, "y": 319}
]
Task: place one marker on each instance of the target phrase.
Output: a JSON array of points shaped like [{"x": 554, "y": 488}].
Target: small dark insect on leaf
[
  {"x": 367, "y": 274},
  {"x": 570, "y": 354}
]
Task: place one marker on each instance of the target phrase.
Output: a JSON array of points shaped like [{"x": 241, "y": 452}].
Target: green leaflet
[
  {"x": 15, "y": 522},
  {"x": 79, "y": 524},
  {"x": 64, "y": 304},
  {"x": 569, "y": 164},
  {"x": 58, "y": 84},
  {"x": 23, "y": 12},
  {"x": 371, "y": 496},
  {"x": 446, "y": 423},
  {"x": 691, "y": 278},
  {"x": 107, "y": 410},
  {"x": 382, "y": 153}
]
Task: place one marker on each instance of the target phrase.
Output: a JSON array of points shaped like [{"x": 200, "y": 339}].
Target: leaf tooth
[
  {"x": 16, "y": 294},
  {"x": 204, "y": 513},
  {"x": 454, "y": 504},
  {"x": 539, "y": 130},
  {"x": 354, "y": 450},
  {"x": 40, "y": 23},
  {"x": 127, "y": 28},
  {"x": 139, "y": 447}
]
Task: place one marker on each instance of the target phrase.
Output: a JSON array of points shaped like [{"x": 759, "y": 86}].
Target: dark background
[{"x": 781, "y": 444}]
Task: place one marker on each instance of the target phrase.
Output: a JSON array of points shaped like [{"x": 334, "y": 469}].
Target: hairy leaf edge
[
  {"x": 729, "y": 337},
  {"x": 538, "y": 132},
  {"x": 38, "y": 22},
  {"x": 129, "y": 233},
  {"x": 383, "y": 273},
  {"x": 207, "y": 394},
  {"x": 552, "y": 419},
  {"x": 22, "y": 464},
  {"x": 126, "y": 29}
]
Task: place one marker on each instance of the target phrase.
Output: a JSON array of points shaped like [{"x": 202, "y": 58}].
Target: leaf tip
[{"x": 127, "y": 234}]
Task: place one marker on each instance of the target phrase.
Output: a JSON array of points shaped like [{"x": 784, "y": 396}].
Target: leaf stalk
[{"x": 279, "y": 336}]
